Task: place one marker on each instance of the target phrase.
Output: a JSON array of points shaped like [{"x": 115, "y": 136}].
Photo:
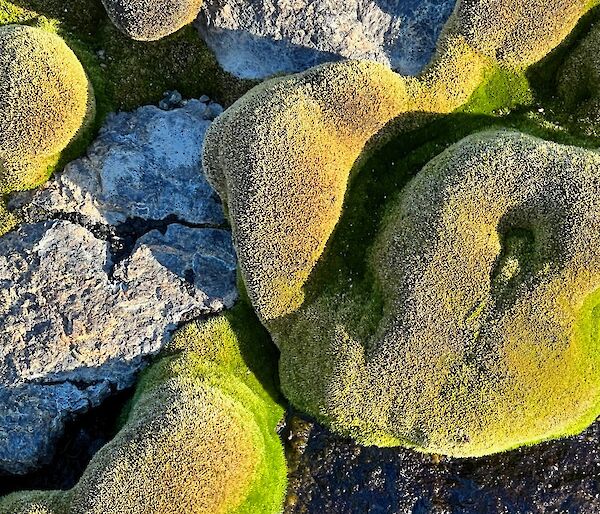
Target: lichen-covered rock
[
  {"x": 144, "y": 164},
  {"x": 77, "y": 324},
  {"x": 258, "y": 38},
  {"x": 199, "y": 437},
  {"x": 45, "y": 100},
  {"x": 150, "y": 20},
  {"x": 479, "y": 330}
]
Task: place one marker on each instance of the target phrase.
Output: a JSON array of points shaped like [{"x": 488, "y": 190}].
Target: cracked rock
[
  {"x": 259, "y": 38},
  {"x": 76, "y": 326},
  {"x": 145, "y": 164},
  {"x": 120, "y": 248}
]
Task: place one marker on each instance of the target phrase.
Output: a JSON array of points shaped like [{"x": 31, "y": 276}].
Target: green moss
[{"x": 223, "y": 363}]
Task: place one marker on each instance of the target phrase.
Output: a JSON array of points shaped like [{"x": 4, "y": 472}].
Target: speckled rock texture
[
  {"x": 332, "y": 474},
  {"x": 144, "y": 164},
  {"x": 260, "y": 38},
  {"x": 121, "y": 248},
  {"x": 78, "y": 325}
]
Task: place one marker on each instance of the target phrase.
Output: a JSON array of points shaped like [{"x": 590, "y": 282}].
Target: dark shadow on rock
[
  {"x": 406, "y": 38},
  {"x": 82, "y": 438}
]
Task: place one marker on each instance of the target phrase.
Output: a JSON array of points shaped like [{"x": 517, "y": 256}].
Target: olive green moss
[
  {"x": 134, "y": 73},
  {"x": 124, "y": 74},
  {"x": 199, "y": 434},
  {"x": 144, "y": 20},
  {"x": 335, "y": 348},
  {"x": 333, "y": 325}
]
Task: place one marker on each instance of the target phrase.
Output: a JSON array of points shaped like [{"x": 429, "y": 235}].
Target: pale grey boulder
[
  {"x": 78, "y": 326},
  {"x": 259, "y": 38},
  {"x": 144, "y": 164},
  {"x": 85, "y": 302}
]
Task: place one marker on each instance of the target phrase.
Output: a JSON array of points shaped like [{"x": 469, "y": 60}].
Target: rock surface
[
  {"x": 145, "y": 164},
  {"x": 332, "y": 474},
  {"x": 82, "y": 307},
  {"x": 259, "y": 38}
]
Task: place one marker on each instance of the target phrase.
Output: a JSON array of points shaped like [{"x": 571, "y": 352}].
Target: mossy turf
[
  {"x": 198, "y": 436},
  {"x": 125, "y": 74},
  {"x": 278, "y": 176}
]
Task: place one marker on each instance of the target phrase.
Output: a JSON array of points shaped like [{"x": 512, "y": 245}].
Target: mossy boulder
[
  {"x": 282, "y": 155},
  {"x": 199, "y": 436},
  {"x": 45, "y": 101},
  {"x": 150, "y": 20},
  {"x": 480, "y": 329},
  {"x": 579, "y": 81}
]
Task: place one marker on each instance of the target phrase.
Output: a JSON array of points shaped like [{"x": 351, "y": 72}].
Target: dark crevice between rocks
[
  {"x": 83, "y": 437},
  {"x": 121, "y": 238}
]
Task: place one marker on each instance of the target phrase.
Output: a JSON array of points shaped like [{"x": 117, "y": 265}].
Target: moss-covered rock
[
  {"x": 281, "y": 157},
  {"x": 199, "y": 436},
  {"x": 149, "y": 20},
  {"x": 45, "y": 101},
  {"x": 479, "y": 332},
  {"x": 579, "y": 82}
]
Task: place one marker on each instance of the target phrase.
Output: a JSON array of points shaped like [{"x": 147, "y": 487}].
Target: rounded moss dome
[
  {"x": 485, "y": 336},
  {"x": 199, "y": 436},
  {"x": 191, "y": 448},
  {"x": 579, "y": 81},
  {"x": 150, "y": 20},
  {"x": 45, "y": 99}
]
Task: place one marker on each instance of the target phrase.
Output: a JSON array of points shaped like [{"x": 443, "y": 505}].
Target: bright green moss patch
[{"x": 199, "y": 435}]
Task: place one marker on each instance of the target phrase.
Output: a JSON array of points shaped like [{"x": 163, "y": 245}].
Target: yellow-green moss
[
  {"x": 486, "y": 338},
  {"x": 45, "y": 101},
  {"x": 282, "y": 155},
  {"x": 149, "y": 20},
  {"x": 199, "y": 435}
]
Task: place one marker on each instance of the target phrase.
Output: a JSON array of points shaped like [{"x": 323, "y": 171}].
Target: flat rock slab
[
  {"x": 144, "y": 164},
  {"x": 259, "y": 38},
  {"x": 77, "y": 326},
  {"x": 81, "y": 311}
]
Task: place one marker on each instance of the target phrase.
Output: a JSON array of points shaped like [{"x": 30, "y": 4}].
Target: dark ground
[{"x": 332, "y": 475}]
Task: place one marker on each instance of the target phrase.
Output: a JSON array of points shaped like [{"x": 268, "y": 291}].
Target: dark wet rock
[
  {"x": 259, "y": 38},
  {"x": 332, "y": 474}
]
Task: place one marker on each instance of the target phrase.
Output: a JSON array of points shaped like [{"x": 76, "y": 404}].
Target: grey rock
[
  {"x": 145, "y": 164},
  {"x": 171, "y": 100},
  {"x": 259, "y": 38},
  {"x": 77, "y": 325}
]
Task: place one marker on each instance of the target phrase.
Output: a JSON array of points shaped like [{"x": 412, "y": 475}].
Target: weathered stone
[
  {"x": 145, "y": 164},
  {"x": 259, "y": 38},
  {"x": 77, "y": 325}
]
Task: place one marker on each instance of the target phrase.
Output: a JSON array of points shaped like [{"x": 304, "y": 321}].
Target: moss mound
[
  {"x": 45, "y": 100},
  {"x": 150, "y": 20},
  {"x": 199, "y": 437},
  {"x": 579, "y": 82},
  {"x": 282, "y": 155},
  {"x": 517, "y": 32},
  {"x": 480, "y": 332}
]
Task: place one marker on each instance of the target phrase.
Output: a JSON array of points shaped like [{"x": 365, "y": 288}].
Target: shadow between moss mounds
[{"x": 520, "y": 101}]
